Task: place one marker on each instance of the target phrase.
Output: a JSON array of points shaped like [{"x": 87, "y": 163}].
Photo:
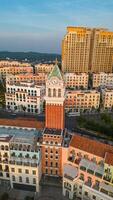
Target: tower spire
[{"x": 56, "y": 61}]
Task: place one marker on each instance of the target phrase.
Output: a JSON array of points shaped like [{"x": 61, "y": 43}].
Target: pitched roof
[
  {"x": 55, "y": 73},
  {"x": 109, "y": 158},
  {"x": 90, "y": 145},
  {"x": 22, "y": 122}
]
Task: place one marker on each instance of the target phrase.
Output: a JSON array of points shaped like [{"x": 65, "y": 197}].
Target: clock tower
[{"x": 55, "y": 96}]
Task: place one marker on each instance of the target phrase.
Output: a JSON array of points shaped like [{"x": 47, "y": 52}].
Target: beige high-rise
[
  {"x": 101, "y": 53},
  {"x": 75, "y": 49},
  {"x": 87, "y": 50}
]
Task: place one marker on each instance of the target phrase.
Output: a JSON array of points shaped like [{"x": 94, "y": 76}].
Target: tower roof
[{"x": 55, "y": 72}]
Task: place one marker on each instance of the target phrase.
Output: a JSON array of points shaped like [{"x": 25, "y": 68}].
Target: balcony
[
  {"x": 26, "y": 164},
  {"x": 88, "y": 183},
  {"x": 86, "y": 197},
  {"x": 107, "y": 178},
  {"x": 70, "y": 159},
  {"x": 34, "y": 164},
  {"x": 68, "y": 177},
  {"x": 5, "y": 161},
  {"x": 12, "y": 162},
  {"x": 83, "y": 168},
  {"x": 95, "y": 187},
  {"x": 6, "y": 170},
  {"x": 19, "y": 163},
  {"x": 77, "y": 161},
  {"x": 67, "y": 187}
]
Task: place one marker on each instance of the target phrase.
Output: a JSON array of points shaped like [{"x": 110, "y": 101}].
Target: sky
[{"x": 40, "y": 25}]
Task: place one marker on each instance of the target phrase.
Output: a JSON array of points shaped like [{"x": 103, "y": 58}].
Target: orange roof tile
[
  {"x": 90, "y": 145},
  {"x": 22, "y": 122},
  {"x": 109, "y": 158}
]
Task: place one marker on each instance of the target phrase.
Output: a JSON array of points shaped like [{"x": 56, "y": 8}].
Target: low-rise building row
[
  {"x": 14, "y": 67},
  {"x": 102, "y": 80},
  {"x": 80, "y": 100},
  {"x": 38, "y": 79}
]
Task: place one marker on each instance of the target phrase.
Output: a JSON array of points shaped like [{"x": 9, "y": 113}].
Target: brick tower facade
[{"x": 55, "y": 91}]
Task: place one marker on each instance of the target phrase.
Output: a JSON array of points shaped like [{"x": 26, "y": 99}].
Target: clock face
[{"x": 54, "y": 81}]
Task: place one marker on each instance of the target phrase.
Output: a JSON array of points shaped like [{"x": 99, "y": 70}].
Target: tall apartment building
[
  {"x": 76, "y": 80},
  {"x": 80, "y": 100},
  {"x": 101, "y": 53},
  {"x": 102, "y": 80},
  {"x": 25, "y": 97},
  {"x": 85, "y": 49},
  {"x": 76, "y": 49}
]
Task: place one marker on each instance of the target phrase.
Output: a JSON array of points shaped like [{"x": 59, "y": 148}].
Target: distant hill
[{"x": 29, "y": 56}]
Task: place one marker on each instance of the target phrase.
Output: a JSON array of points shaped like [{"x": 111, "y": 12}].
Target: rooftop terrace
[
  {"x": 52, "y": 131},
  {"x": 20, "y": 135}
]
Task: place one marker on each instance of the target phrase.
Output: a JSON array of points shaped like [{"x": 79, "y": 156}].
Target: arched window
[
  {"x": 59, "y": 92},
  {"x": 54, "y": 92},
  {"x": 49, "y": 92}
]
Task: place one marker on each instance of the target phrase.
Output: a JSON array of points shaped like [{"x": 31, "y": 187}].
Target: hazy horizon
[{"x": 39, "y": 26}]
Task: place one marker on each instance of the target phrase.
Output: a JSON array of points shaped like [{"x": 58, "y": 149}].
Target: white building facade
[
  {"x": 25, "y": 97},
  {"x": 102, "y": 80},
  {"x": 20, "y": 164},
  {"x": 76, "y": 80}
]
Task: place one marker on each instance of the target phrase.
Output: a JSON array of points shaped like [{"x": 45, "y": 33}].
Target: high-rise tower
[
  {"x": 101, "y": 53},
  {"x": 76, "y": 49},
  {"x": 55, "y": 91}
]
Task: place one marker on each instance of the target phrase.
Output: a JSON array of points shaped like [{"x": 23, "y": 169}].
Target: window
[
  {"x": 56, "y": 164},
  {"x": 34, "y": 172},
  {"x": 27, "y": 180},
  {"x": 46, "y": 171},
  {"x": 12, "y": 169},
  {"x": 59, "y": 92},
  {"x": 34, "y": 180},
  {"x": 20, "y": 179},
  {"x": 27, "y": 171},
  {"x": 94, "y": 197},
  {"x": 86, "y": 193},
  {"x": 54, "y": 92},
  {"x": 19, "y": 171},
  {"x": 13, "y": 178},
  {"x": 49, "y": 92},
  {"x": 46, "y": 163},
  {"x": 51, "y": 164}
]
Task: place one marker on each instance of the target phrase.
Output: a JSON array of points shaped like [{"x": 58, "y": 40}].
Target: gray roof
[{"x": 20, "y": 134}]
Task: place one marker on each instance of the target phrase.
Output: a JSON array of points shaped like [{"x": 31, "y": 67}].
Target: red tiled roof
[
  {"x": 22, "y": 122},
  {"x": 90, "y": 145},
  {"x": 109, "y": 158}
]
